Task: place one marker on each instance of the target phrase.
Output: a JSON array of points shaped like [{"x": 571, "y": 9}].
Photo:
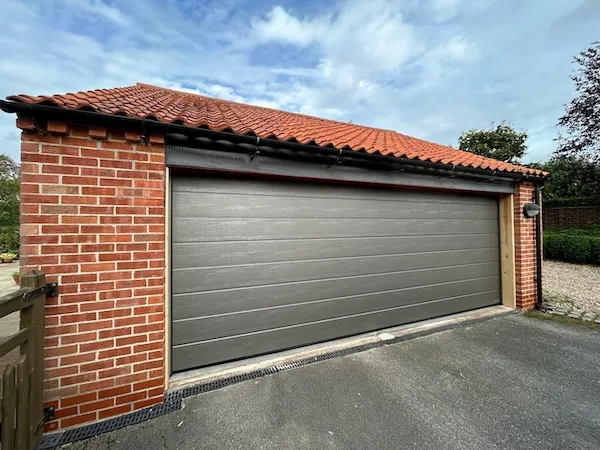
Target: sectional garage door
[{"x": 261, "y": 265}]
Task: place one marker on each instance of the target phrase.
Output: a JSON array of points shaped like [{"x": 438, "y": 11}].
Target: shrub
[
  {"x": 593, "y": 230},
  {"x": 9, "y": 240},
  {"x": 572, "y": 247},
  {"x": 595, "y": 251}
]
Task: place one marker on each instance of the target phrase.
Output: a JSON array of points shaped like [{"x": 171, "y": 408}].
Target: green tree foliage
[
  {"x": 9, "y": 192},
  {"x": 581, "y": 121},
  {"x": 501, "y": 142},
  {"x": 571, "y": 177}
]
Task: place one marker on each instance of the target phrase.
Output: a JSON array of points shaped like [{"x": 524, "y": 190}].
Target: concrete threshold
[{"x": 227, "y": 370}]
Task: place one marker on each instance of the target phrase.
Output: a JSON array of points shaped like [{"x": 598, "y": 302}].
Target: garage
[
  {"x": 187, "y": 232},
  {"x": 261, "y": 265}
]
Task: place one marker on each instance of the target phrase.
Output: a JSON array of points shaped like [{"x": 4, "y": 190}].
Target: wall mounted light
[{"x": 531, "y": 209}]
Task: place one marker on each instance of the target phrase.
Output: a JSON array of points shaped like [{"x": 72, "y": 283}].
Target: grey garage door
[{"x": 260, "y": 265}]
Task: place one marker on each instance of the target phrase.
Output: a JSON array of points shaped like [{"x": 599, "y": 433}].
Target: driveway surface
[{"x": 513, "y": 382}]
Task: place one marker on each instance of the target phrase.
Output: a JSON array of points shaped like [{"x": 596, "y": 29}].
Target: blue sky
[{"x": 427, "y": 68}]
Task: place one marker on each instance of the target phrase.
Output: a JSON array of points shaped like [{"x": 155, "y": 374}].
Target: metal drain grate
[
  {"x": 49, "y": 442},
  {"x": 116, "y": 423},
  {"x": 173, "y": 399}
]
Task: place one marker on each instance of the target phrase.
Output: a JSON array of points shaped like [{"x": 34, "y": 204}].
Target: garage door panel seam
[
  {"x": 344, "y": 277},
  {"x": 465, "y": 201},
  {"x": 336, "y": 318},
  {"x": 324, "y": 300},
  {"x": 293, "y": 261}
]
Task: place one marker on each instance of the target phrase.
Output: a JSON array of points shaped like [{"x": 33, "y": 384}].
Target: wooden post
[
  {"x": 33, "y": 318},
  {"x": 9, "y": 405},
  {"x": 24, "y": 416},
  {"x": 507, "y": 251}
]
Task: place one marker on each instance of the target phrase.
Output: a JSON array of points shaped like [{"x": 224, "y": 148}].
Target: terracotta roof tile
[{"x": 166, "y": 105}]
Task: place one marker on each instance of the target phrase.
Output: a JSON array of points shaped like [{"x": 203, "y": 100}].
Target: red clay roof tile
[{"x": 166, "y": 105}]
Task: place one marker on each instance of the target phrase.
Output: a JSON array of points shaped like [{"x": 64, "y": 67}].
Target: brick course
[{"x": 95, "y": 224}]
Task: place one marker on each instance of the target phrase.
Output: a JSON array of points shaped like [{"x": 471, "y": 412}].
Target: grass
[{"x": 563, "y": 319}]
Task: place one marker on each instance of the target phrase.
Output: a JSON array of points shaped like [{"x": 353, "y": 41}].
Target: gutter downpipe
[{"x": 538, "y": 245}]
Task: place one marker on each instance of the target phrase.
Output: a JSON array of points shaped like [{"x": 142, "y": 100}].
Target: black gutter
[
  {"x": 148, "y": 125},
  {"x": 538, "y": 246},
  {"x": 308, "y": 155}
]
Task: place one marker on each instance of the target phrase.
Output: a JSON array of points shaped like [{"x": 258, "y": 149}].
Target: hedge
[
  {"x": 593, "y": 230},
  {"x": 572, "y": 247},
  {"x": 9, "y": 240}
]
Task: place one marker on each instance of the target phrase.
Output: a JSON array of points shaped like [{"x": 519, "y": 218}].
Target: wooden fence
[{"x": 22, "y": 381}]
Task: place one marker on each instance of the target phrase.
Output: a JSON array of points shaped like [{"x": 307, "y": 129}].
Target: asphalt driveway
[{"x": 510, "y": 382}]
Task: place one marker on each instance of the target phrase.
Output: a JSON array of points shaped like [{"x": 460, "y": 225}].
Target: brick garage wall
[
  {"x": 576, "y": 217},
  {"x": 93, "y": 220},
  {"x": 525, "y": 263}
]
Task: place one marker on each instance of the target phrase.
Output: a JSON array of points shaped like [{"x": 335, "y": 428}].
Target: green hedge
[
  {"x": 9, "y": 240},
  {"x": 571, "y": 202},
  {"x": 572, "y": 247},
  {"x": 594, "y": 230}
]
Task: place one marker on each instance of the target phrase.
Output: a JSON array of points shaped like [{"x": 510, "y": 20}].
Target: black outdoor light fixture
[{"x": 531, "y": 209}]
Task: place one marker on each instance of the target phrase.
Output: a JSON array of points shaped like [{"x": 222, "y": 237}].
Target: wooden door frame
[{"x": 507, "y": 250}]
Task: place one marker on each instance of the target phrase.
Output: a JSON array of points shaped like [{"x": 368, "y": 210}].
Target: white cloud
[
  {"x": 430, "y": 69},
  {"x": 362, "y": 38},
  {"x": 280, "y": 26}
]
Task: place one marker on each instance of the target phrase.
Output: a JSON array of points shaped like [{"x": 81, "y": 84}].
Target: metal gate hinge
[
  {"x": 48, "y": 415},
  {"x": 52, "y": 290},
  {"x": 35, "y": 293}
]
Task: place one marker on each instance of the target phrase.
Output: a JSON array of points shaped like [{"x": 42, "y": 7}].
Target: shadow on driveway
[{"x": 512, "y": 383}]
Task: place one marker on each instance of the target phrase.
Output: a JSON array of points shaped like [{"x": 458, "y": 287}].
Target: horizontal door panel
[
  {"x": 206, "y": 328},
  {"x": 256, "y": 187},
  {"x": 248, "y": 252},
  {"x": 196, "y": 279},
  {"x": 227, "y": 301},
  {"x": 209, "y": 230},
  {"x": 216, "y": 205},
  {"x": 210, "y": 352}
]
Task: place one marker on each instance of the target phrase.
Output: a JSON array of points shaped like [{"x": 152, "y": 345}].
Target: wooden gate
[{"x": 22, "y": 380}]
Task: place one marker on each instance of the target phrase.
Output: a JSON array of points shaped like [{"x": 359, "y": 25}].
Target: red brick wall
[
  {"x": 93, "y": 219},
  {"x": 575, "y": 217},
  {"x": 525, "y": 268}
]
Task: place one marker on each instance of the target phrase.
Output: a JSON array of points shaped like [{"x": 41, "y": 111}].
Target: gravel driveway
[{"x": 575, "y": 285}]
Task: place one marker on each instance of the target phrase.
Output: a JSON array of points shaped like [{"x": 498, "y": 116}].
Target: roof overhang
[{"x": 201, "y": 138}]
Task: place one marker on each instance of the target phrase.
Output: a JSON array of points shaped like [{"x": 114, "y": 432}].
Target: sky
[{"x": 426, "y": 68}]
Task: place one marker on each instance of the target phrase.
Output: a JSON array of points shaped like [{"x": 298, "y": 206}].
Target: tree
[
  {"x": 9, "y": 192},
  {"x": 571, "y": 177},
  {"x": 502, "y": 143},
  {"x": 581, "y": 121}
]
